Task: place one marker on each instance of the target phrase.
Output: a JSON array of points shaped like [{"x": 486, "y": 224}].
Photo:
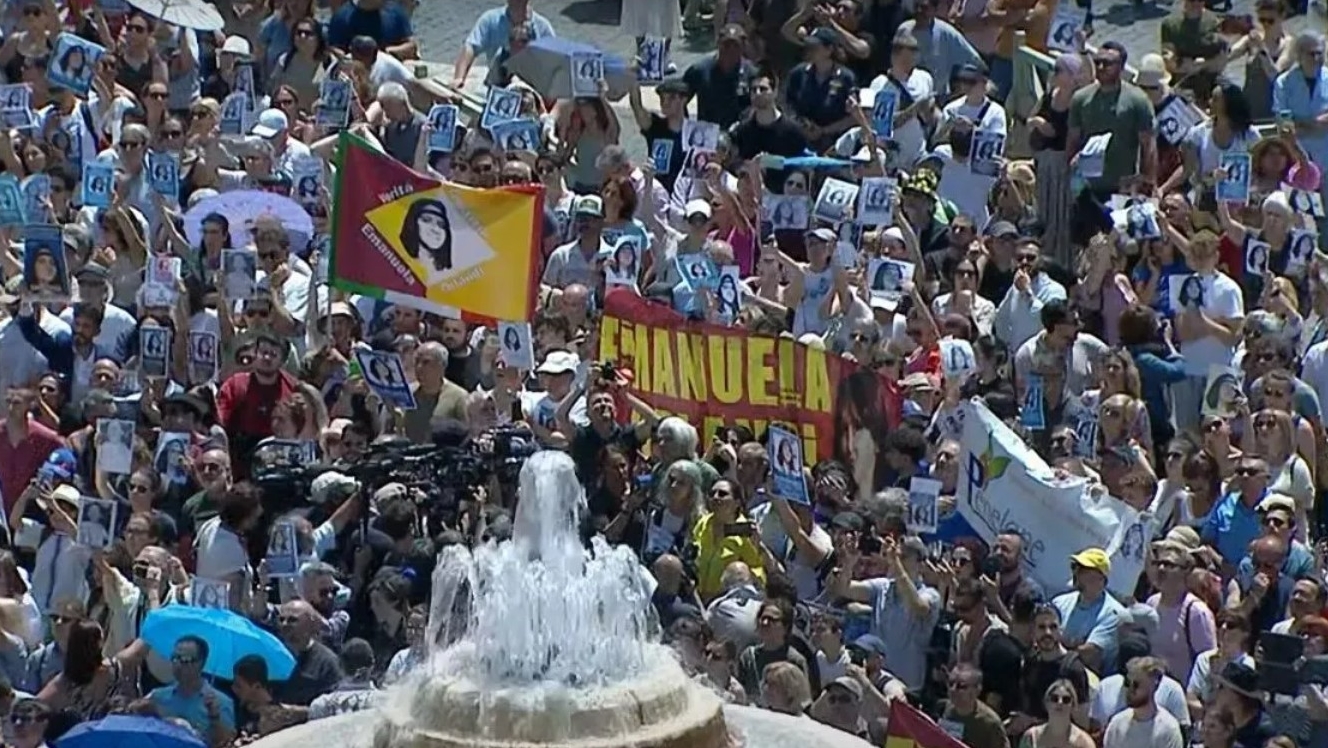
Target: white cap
[
  {"x": 893, "y": 234},
  {"x": 271, "y": 122},
  {"x": 696, "y": 206},
  {"x": 559, "y": 362},
  {"x": 236, "y": 45}
]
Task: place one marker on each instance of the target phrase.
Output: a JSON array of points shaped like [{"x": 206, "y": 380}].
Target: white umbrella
[{"x": 191, "y": 14}]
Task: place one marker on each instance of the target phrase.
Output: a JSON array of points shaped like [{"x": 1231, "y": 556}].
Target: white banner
[{"x": 1004, "y": 486}]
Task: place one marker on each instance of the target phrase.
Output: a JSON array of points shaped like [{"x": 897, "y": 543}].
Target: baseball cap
[
  {"x": 823, "y": 36},
  {"x": 236, "y": 45},
  {"x": 271, "y": 122},
  {"x": 694, "y": 207},
  {"x": 848, "y": 684},
  {"x": 1092, "y": 558},
  {"x": 1002, "y": 230},
  {"x": 869, "y": 643},
  {"x": 732, "y": 33},
  {"x": 824, "y": 234},
  {"x": 851, "y": 521},
  {"x": 1277, "y": 501},
  {"x": 76, "y": 238},
  {"x": 92, "y": 271},
  {"x": 918, "y": 381},
  {"x": 589, "y": 205},
  {"x": 971, "y": 70},
  {"x": 894, "y": 233},
  {"x": 332, "y": 485},
  {"x": 559, "y": 362}
]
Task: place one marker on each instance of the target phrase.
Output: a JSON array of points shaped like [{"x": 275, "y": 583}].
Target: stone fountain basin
[{"x": 759, "y": 728}]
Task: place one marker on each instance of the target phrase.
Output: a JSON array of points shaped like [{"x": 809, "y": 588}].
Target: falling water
[{"x": 541, "y": 608}]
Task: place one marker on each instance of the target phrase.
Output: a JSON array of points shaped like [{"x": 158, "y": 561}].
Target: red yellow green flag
[
  {"x": 910, "y": 728},
  {"x": 412, "y": 239}
]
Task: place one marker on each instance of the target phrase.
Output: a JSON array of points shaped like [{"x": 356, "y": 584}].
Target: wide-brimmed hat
[{"x": 1152, "y": 71}]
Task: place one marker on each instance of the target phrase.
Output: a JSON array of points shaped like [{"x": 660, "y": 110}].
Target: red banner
[{"x": 717, "y": 376}]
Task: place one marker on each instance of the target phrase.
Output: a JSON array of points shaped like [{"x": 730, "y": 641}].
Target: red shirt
[
  {"x": 244, "y": 405},
  {"x": 18, "y": 464}
]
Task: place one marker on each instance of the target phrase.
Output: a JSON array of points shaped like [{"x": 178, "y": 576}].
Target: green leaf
[{"x": 997, "y": 468}]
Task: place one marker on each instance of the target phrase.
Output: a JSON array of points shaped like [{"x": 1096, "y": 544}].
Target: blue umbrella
[
  {"x": 229, "y": 637},
  {"x": 241, "y": 207},
  {"x": 546, "y": 64},
  {"x": 127, "y": 731}
]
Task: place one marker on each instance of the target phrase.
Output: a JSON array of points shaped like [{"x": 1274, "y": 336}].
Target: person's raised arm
[{"x": 639, "y": 111}]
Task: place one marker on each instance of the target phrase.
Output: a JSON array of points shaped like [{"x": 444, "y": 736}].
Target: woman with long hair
[
  {"x": 1278, "y": 159},
  {"x": 1048, "y": 128},
  {"x": 1279, "y": 391},
  {"x": 1274, "y": 440},
  {"x": 1059, "y": 731},
  {"x": 585, "y": 125},
  {"x": 1228, "y": 131},
  {"x": 306, "y": 65},
  {"x": 1104, "y": 289},
  {"x": 1266, "y": 45},
  {"x": 620, "y": 221},
  {"x": 678, "y": 506},
  {"x": 861, "y": 423},
  {"x": 1203, "y": 484},
  {"x": 89, "y": 683}
]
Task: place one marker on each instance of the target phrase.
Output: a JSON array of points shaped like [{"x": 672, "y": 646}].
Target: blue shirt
[
  {"x": 493, "y": 30},
  {"x": 1298, "y": 563},
  {"x": 191, "y": 709},
  {"x": 1091, "y": 623},
  {"x": 1155, "y": 373},
  {"x": 388, "y": 25},
  {"x": 823, "y": 102},
  {"x": 1230, "y": 527}
]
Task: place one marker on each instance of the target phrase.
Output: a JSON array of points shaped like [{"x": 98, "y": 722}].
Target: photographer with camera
[{"x": 605, "y": 385}]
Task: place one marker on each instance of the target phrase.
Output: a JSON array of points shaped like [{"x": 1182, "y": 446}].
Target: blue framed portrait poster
[{"x": 73, "y": 62}]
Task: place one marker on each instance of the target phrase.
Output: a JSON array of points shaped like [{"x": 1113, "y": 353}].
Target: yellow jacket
[{"x": 715, "y": 551}]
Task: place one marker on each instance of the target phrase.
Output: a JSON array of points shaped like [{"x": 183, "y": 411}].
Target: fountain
[{"x": 544, "y": 643}]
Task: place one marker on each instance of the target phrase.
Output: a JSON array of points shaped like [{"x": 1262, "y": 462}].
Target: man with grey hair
[
  {"x": 887, "y": 510},
  {"x": 732, "y": 615},
  {"x": 399, "y": 127},
  {"x": 437, "y": 398},
  {"x": 287, "y": 152},
  {"x": 904, "y": 608},
  {"x": 1299, "y": 91}
]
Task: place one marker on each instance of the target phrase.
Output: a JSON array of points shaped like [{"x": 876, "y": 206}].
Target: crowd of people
[{"x": 1142, "y": 301}]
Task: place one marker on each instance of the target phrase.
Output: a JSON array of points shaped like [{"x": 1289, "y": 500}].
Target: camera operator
[{"x": 606, "y": 384}]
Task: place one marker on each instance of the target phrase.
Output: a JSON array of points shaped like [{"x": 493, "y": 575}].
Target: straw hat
[{"x": 1152, "y": 71}]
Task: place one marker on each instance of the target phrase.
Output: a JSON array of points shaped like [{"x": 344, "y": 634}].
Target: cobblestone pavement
[{"x": 442, "y": 25}]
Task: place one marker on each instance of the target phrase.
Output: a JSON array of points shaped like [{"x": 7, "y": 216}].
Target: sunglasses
[
  {"x": 1275, "y": 522},
  {"x": 59, "y": 620},
  {"x": 172, "y": 133},
  {"x": 157, "y": 95},
  {"x": 137, "y": 28},
  {"x": 183, "y": 659},
  {"x": 287, "y": 620},
  {"x": 139, "y": 488},
  {"x": 19, "y": 720},
  {"x": 768, "y": 620},
  {"x": 1060, "y": 698},
  {"x": 485, "y": 169},
  {"x": 1246, "y": 472},
  {"x": 211, "y": 467}
]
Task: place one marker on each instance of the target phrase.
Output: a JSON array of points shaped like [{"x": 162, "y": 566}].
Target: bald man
[
  {"x": 669, "y": 600},
  {"x": 1260, "y": 591},
  {"x": 317, "y": 669}
]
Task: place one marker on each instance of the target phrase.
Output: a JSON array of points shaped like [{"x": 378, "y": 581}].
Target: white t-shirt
[
  {"x": 220, "y": 552},
  {"x": 992, "y": 119},
  {"x": 1222, "y": 299},
  {"x": 1200, "y": 138},
  {"x": 959, "y": 185},
  {"x": 910, "y": 136},
  {"x": 1109, "y": 699},
  {"x": 1124, "y": 731}
]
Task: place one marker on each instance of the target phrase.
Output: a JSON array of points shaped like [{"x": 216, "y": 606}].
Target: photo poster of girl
[
  {"x": 785, "y": 454},
  {"x": 728, "y": 294},
  {"x": 11, "y": 201},
  {"x": 1186, "y": 292},
  {"x": 623, "y": 267},
  {"x": 1222, "y": 393},
  {"x": 72, "y": 63},
  {"x": 98, "y": 182},
  {"x": 36, "y": 196},
  {"x": 45, "y": 275}
]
